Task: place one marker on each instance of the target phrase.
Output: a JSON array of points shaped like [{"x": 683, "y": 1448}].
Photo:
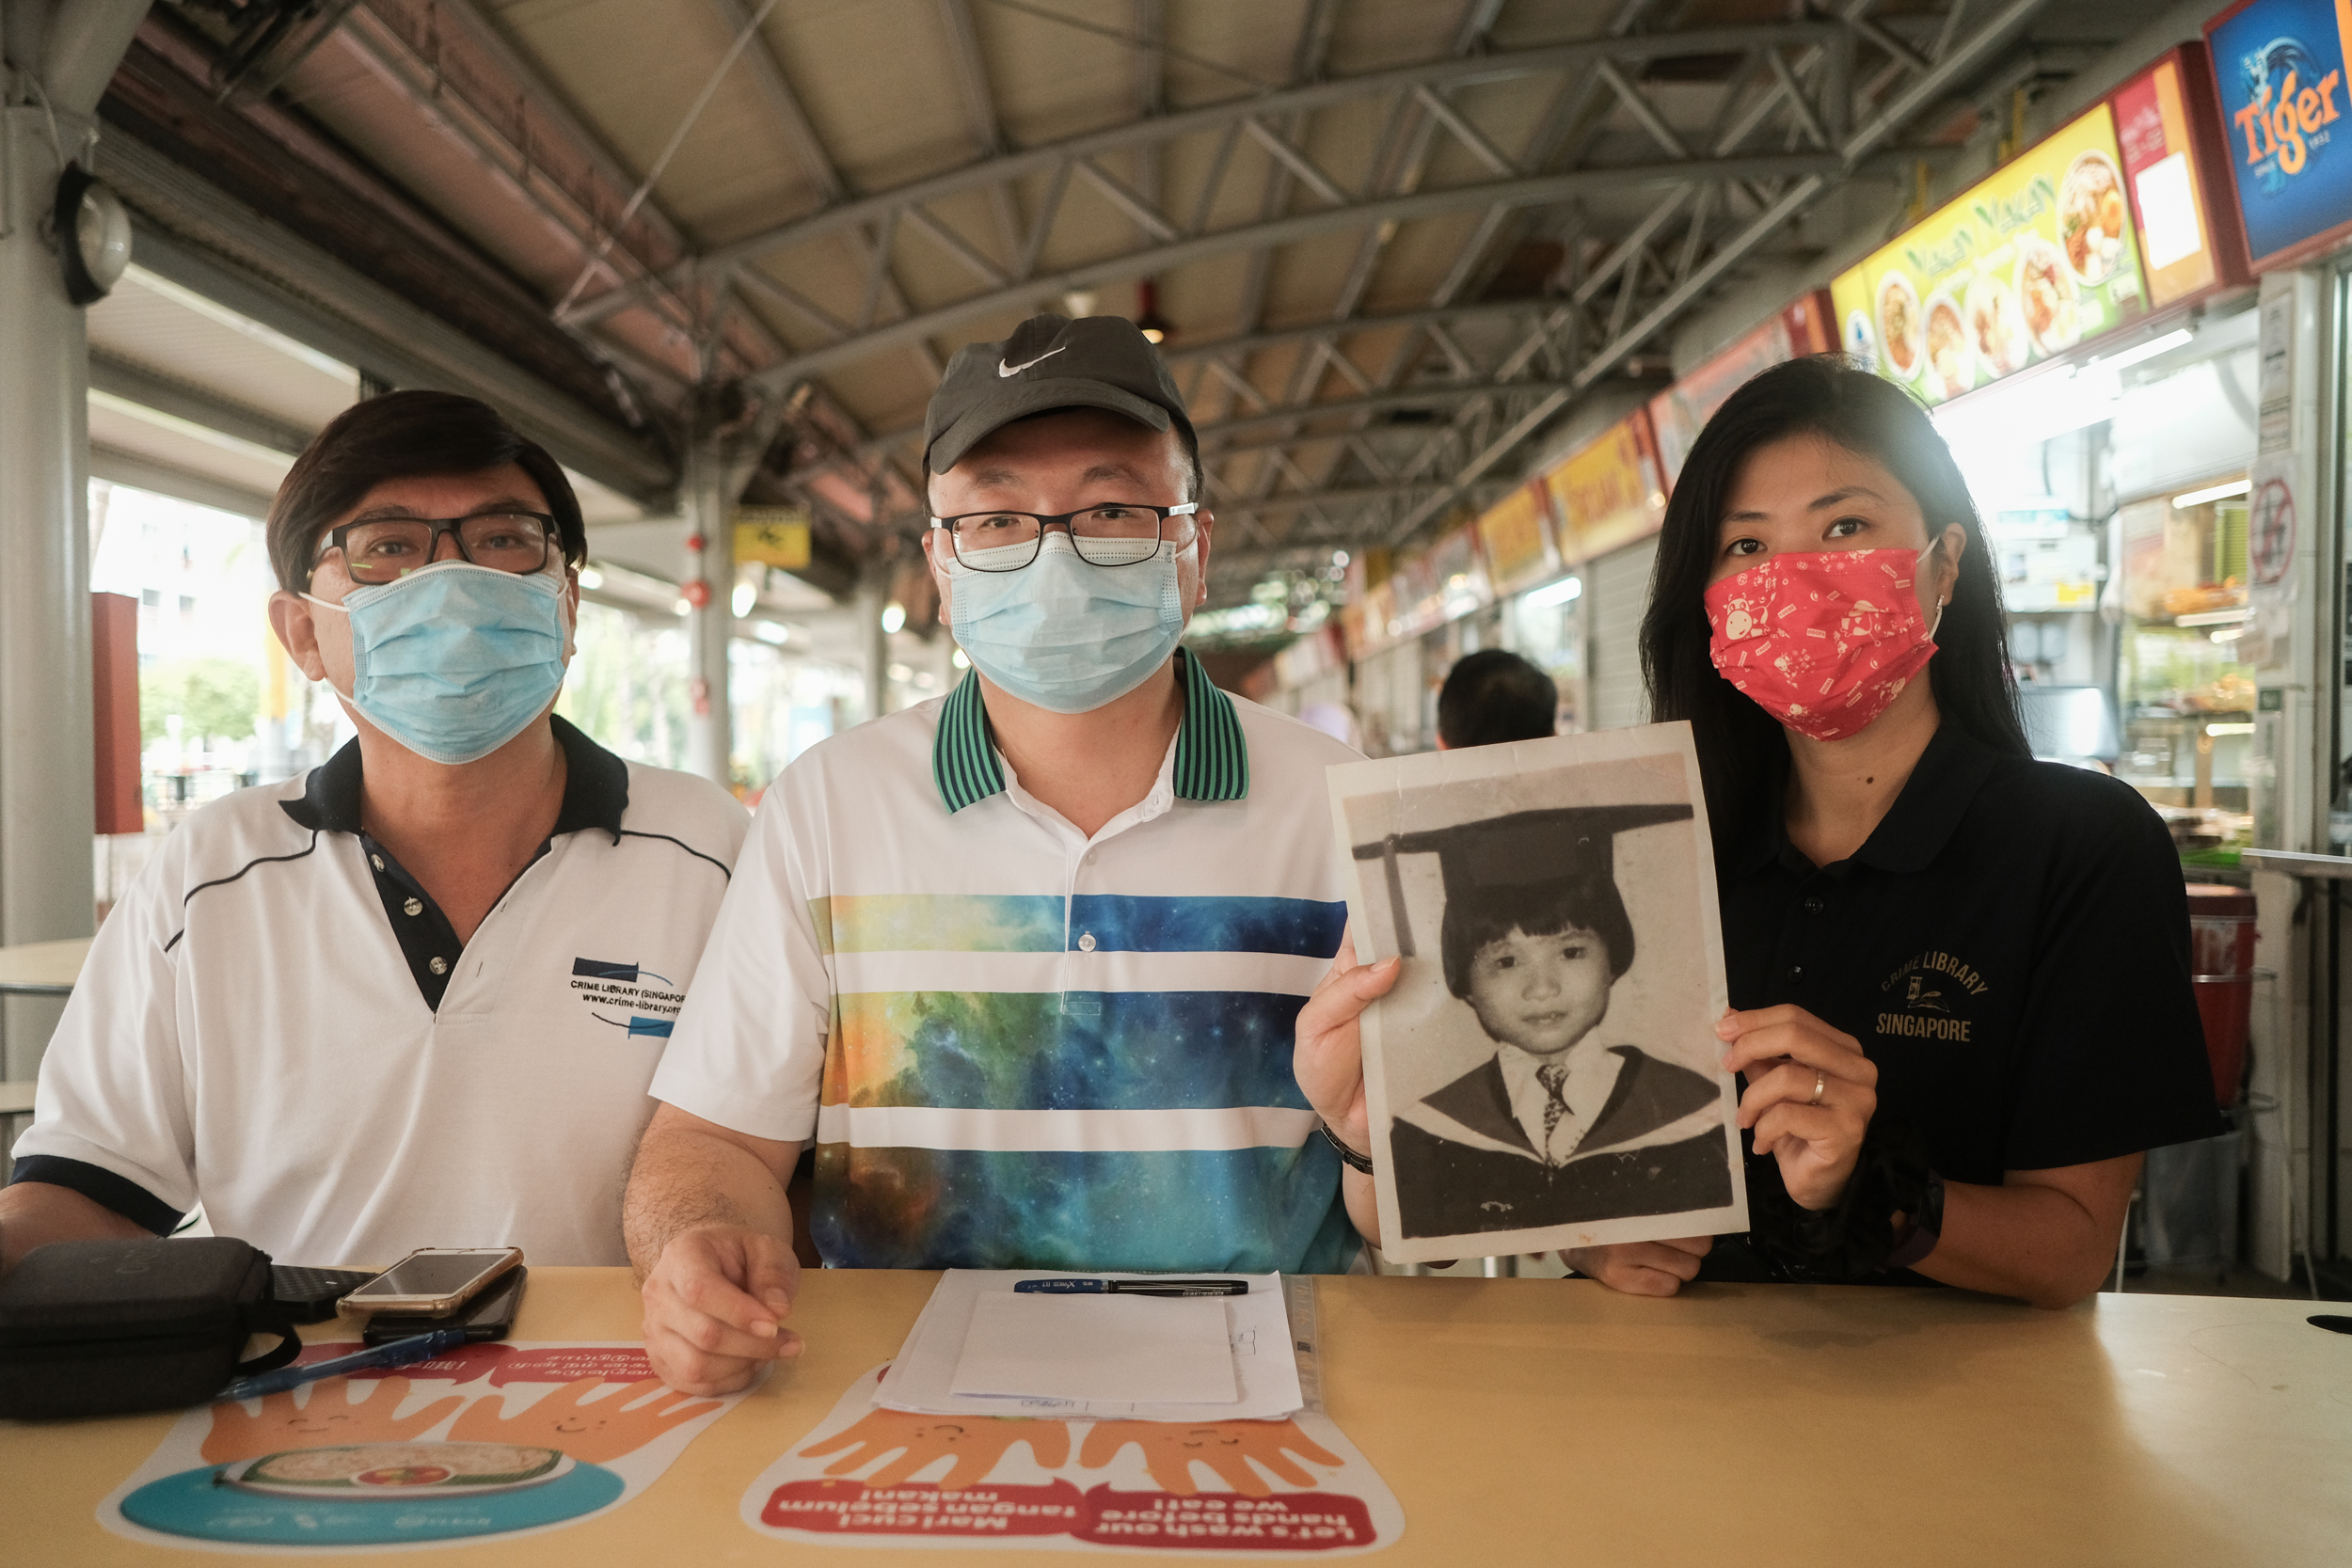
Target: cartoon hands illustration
[
  {"x": 335, "y": 1414},
  {"x": 978, "y": 1442},
  {"x": 590, "y": 1432},
  {"x": 1226, "y": 1447}
]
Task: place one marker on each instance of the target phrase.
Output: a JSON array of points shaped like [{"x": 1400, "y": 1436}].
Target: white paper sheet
[
  {"x": 921, "y": 1379},
  {"x": 1106, "y": 1347}
]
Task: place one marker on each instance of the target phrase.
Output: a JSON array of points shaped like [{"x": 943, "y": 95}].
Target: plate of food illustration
[
  {"x": 398, "y": 1470},
  {"x": 2046, "y": 290},
  {"x": 1951, "y": 363},
  {"x": 1996, "y": 327},
  {"x": 1898, "y": 324},
  {"x": 2092, "y": 217}
]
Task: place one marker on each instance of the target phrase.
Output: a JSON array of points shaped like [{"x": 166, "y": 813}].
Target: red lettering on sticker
[
  {"x": 1211, "y": 1522},
  {"x": 920, "y": 1507}
]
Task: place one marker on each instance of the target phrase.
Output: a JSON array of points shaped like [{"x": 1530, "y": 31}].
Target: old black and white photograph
[{"x": 1544, "y": 1073}]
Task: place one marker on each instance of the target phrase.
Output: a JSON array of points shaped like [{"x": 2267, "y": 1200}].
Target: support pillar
[
  {"x": 69, "y": 50},
  {"x": 46, "y": 805}
]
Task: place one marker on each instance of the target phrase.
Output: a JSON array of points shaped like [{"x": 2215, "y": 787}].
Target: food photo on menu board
[
  {"x": 1545, "y": 1073},
  {"x": 2032, "y": 261}
]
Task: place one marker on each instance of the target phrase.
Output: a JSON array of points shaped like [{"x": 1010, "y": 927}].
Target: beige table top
[
  {"x": 1543, "y": 1421},
  {"x": 43, "y": 965}
]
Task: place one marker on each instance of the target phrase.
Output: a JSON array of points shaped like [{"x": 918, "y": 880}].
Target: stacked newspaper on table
[{"x": 982, "y": 1348}]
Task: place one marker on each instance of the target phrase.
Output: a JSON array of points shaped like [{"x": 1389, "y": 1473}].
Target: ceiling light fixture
[
  {"x": 2211, "y": 493},
  {"x": 93, "y": 232},
  {"x": 1566, "y": 590},
  {"x": 1149, "y": 321},
  {"x": 2149, "y": 348}
]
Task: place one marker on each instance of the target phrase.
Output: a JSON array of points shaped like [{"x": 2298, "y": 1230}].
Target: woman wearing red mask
[{"x": 1960, "y": 977}]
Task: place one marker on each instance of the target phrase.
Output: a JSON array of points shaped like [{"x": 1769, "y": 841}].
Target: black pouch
[{"x": 102, "y": 1328}]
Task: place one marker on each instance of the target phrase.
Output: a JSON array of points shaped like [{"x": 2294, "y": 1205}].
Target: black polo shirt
[{"x": 2011, "y": 948}]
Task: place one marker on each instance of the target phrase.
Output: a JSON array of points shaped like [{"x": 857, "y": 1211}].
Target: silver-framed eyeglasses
[
  {"x": 1112, "y": 533},
  {"x": 383, "y": 549}
]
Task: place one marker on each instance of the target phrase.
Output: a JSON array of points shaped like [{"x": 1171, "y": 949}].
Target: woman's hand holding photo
[{"x": 1811, "y": 1094}]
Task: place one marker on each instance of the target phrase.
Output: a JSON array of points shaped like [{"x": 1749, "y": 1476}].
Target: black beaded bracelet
[
  {"x": 1854, "y": 1237},
  {"x": 1348, "y": 1156}
]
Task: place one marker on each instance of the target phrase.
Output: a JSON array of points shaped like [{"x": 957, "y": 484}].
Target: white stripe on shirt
[
  {"x": 1283, "y": 973},
  {"x": 1153, "y": 1130}
]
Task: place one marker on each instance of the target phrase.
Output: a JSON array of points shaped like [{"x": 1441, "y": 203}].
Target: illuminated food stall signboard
[
  {"x": 2163, "y": 125},
  {"x": 1515, "y": 533},
  {"x": 1610, "y": 492},
  {"x": 2031, "y": 261}
]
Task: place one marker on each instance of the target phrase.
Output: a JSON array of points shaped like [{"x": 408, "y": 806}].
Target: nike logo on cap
[{"x": 1004, "y": 370}]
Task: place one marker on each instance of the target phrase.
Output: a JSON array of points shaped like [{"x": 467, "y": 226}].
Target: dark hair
[
  {"x": 1741, "y": 748},
  {"x": 1492, "y": 911},
  {"x": 405, "y": 436},
  {"x": 1492, "y": 696}
]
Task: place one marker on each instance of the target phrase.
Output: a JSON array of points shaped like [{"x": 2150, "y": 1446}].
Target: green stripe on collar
[
  {"x": 1211, "y": 756},
  {"x": 964, "y": 759}
]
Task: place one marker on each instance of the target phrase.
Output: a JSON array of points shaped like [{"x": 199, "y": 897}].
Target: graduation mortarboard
[{"x": 1525, "y": 848}]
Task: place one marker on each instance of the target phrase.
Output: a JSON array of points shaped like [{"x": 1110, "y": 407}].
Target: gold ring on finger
[{"x": 1820, "y": 1082}]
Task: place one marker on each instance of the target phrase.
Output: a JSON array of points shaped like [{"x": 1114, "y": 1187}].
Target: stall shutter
[{"x": 1620, "y": 594}]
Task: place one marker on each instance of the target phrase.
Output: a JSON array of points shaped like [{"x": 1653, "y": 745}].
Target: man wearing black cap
[{"x": 1023, "y": 962}]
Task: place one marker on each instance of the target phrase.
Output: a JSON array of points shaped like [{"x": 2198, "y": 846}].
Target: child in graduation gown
[{"x": 1559, "y": 1126}]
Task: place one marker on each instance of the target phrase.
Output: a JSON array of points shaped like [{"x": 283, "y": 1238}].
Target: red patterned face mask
[{"x": 1823, "y": 641}]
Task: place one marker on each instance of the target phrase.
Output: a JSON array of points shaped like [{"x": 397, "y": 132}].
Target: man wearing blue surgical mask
[
  {"x": 1021, "y": 962},
  {"x": 413, "y": 998}
]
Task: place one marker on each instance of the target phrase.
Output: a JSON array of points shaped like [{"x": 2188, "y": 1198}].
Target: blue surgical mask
[
  {"x": 1064, "y": 633},
  {"x": 454, "y": 660}
]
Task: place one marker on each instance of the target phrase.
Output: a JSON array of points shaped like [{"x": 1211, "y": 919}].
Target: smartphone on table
[
  {"x": 489, "y": 1316},
  {"x": 432, "y": 1282}
]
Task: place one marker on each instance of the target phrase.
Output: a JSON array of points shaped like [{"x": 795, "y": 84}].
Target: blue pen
[
  {"x": 1130, "y": 1287},
  {"x": 400, "y": 1353}
]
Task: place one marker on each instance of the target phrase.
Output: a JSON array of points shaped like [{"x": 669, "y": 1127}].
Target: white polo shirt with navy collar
[
  {"x": 278, "y": 1022},
  {"x": 1015, "y": 1045}
]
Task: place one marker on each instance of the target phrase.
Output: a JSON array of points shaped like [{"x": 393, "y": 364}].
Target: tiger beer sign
[{"x": 2278, "y": 72}]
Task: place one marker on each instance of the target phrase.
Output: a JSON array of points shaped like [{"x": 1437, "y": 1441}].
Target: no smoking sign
[{"x": 2270, "y": 532}]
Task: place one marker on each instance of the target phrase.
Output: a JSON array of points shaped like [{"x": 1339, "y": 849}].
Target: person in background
[
  {"x": 1021, "y": 962},
  {"x": 1493, "y": 696},
  {"x": 414, "y": 997},
  {"x": 1959, "y": 977}
]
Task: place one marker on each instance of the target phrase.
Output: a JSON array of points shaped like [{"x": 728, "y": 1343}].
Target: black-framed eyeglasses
[
  {"x": 1114, "y": 534},
  {"x": 383, "y": 549}
]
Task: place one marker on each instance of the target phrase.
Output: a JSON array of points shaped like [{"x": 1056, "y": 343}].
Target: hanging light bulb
[{"x": 1149, "y": 321}]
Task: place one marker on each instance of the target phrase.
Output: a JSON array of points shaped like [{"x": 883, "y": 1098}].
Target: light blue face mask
[
  {"x": 1065, "y": 634},
  {"x": 454, "y": 660}
]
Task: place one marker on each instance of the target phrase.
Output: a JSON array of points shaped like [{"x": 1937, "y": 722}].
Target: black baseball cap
[{"x": 1049, "y": 362}]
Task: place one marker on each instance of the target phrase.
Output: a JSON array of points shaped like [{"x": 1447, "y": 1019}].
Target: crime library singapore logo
[
  {"x": 2290, "y": 103},
  {"x": 647, "y": 1008}
]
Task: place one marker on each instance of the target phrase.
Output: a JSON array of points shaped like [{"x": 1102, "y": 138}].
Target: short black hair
[
  {"x": 1493, "y": 696},
  {"x": 1540, "y": 909},
  {"x": 406, "y": 435}
]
